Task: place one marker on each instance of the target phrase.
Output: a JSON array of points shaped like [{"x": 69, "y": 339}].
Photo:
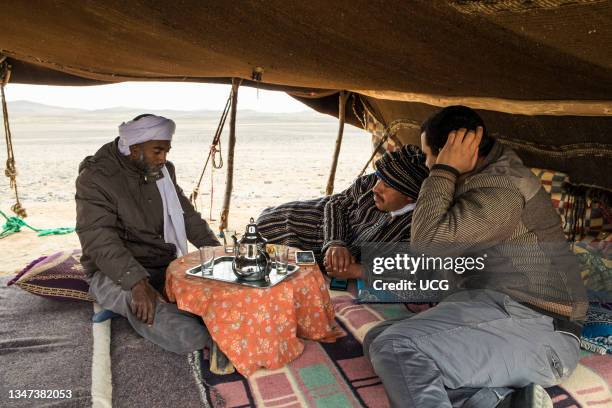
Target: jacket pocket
[{"x": 556, "y": 365}]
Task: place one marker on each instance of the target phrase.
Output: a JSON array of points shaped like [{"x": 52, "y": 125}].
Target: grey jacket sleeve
[
  {"x": 481, "y": 217},
  {"x": 198, "y": 231},
  {"x": 97, "y": 230}
]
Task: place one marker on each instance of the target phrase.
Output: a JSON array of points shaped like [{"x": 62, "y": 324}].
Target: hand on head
[{"x": 461, "y": 149}]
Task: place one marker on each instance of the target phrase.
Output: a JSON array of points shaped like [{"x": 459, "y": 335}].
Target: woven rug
[
  {"x": 47, "y": 344},
  {"x": 104, "y": 365},
  {"x": 338, "y": 375},
  {"x": 44, "y": 345}
]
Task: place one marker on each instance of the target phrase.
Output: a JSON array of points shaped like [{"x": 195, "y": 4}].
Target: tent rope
[
  {"x": 11, "y": 169},
  {"x": 376, "y": 149},
  {"x": 212, "y": 192},
  {"x": 214, "y": 152},
  {"x": 390, "y": 132},
  {"x": 14, "y": 224},
  {"x": 217, "y": 155},
  {"x": 361, "y": 118}
]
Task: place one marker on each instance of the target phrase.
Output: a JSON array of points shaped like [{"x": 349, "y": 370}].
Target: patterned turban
[{"x": 403, "y": 170}]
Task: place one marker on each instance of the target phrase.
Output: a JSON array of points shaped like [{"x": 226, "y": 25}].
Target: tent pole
[
  {"x": 342, "y": 98},
  {"x": 230, "y": 157}
]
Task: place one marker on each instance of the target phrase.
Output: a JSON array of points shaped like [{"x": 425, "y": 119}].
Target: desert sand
[{"x": 278, "y": 158}]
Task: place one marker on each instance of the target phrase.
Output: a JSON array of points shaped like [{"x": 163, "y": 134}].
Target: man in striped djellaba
[{"x": 375, "y": 208}]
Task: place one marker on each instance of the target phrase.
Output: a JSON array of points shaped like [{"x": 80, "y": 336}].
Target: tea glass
[
  {"x": 207, "y": 260},
  {"x": 281, "y": 259},
  {"x": 228, "y": 241}
]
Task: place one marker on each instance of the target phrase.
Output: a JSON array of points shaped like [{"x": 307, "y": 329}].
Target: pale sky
[{"x": 153, "y": 95}]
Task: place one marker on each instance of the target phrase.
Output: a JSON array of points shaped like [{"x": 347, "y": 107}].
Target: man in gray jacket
[
  {"x": 132, "y": 221},
  {"x": 516, "y": 323}
]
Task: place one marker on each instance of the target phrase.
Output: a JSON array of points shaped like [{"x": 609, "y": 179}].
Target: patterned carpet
[
  {"x": 68, "y": 354},
  {"x": 338, "y": 375}
]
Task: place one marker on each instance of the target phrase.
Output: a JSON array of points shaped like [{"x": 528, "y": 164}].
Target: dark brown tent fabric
[
  {"x": 513, "y": 51},
  {"x": 578, "y": 146},
  {"x": 431, "y": 47}
]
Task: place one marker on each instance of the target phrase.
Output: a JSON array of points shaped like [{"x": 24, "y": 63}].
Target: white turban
[{"x": 146, "y": 128}]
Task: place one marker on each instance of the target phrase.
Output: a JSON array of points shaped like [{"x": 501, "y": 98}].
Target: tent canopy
[{"x": 539, "y": 71}]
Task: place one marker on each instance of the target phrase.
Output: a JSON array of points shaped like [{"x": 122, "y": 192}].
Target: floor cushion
[{"x": 59, "y": 276}]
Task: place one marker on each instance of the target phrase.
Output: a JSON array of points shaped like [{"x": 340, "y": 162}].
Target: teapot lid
[{"x": 252, "y": 234}]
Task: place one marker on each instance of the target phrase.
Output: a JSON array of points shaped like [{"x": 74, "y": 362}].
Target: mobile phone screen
[{"x": 304, "y": 257}]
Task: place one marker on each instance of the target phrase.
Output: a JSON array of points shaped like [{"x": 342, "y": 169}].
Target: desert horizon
[{"x": 279, "y": 157}]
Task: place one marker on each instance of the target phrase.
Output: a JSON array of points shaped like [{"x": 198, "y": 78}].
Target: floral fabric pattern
[{"x": 257, "y": 327}]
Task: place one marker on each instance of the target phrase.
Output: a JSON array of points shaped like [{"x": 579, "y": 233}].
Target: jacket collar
[
  {"x": 403, "y": 210},
  {"x": 494, "y": 155}
]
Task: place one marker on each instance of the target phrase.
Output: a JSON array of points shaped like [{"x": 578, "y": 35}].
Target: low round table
[{"x": 255, "y": 327}]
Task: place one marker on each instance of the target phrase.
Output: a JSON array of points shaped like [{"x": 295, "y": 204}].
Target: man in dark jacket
[{"x": 132, "y": 221}]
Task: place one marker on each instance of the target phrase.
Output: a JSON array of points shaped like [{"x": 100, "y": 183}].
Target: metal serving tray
[{"x": 222, "y": 271}]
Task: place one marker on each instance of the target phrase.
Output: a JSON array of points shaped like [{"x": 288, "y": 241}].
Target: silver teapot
[{"x": 251, "y": 261}]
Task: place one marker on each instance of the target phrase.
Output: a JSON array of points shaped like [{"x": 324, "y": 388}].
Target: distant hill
[
  {"x": 33, "y": 108},
  {"x": 21, "y": 109}
]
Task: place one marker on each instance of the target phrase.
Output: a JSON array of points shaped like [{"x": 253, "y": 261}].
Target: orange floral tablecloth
[{"x": 256, "y": 327}]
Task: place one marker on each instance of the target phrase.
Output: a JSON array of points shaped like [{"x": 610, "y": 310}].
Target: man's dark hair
[
  {"x": 438, "y": 126},
  {"x": 144, "y": 115}
]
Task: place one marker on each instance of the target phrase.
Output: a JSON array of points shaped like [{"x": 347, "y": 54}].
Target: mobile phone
[
  {"x": 304, "y": 258},
  {"x": 338, "y": 284}
]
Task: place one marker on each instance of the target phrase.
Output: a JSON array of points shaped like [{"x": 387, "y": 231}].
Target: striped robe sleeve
[
  {"x": 479, "y": 218},
  {"x": 336, "y": 222}
]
